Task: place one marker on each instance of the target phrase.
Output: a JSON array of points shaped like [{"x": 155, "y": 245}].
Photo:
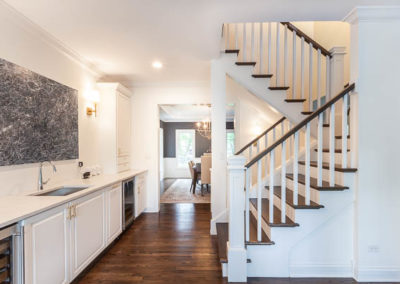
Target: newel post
[{"x": 237, "y": 255}]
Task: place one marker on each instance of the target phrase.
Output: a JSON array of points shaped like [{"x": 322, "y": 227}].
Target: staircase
[{"x": 285, "y": 190}]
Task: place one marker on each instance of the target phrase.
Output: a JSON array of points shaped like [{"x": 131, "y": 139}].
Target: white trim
[
  {"x": 49, "y": 39},
  {"x": 378, "y": 274},
  {"x": 321, "y": 270},
  {"x": 373, "y": 14},
  {"x": 191, "y": 131}
]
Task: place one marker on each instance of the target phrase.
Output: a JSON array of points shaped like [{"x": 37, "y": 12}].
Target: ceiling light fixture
[{"x": 157, "y": 65}]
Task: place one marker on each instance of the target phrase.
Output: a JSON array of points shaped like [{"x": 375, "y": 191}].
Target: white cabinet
[
  {"x": 115, "y": 117},
  {"x": 87, "y": 230},
  {"x": 114, "y": 212},
  {"x": 61, "y": 242},
  {"x": 46, "y": 247},
  {"x": 140, "y": 194}
]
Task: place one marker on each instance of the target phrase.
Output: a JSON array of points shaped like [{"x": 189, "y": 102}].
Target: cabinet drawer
[
  {"x": 123, "y": 159},
  {"x": 123, "y": 167}
]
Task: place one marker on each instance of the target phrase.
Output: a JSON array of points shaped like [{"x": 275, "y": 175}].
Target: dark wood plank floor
[{"x": 173, "y": 246}]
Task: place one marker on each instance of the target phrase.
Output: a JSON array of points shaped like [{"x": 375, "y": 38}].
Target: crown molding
[
  {"x": 49, "y": 39},
  {"x": 373, "y": 14}
]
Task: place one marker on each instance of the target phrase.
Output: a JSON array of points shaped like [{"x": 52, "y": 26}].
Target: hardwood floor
[{"x": 173, "y": 246}]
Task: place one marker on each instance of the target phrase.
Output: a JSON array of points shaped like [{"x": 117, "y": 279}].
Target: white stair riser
[
  {"x": 325, "y": 174},
  {"x": 265, "y": 227},
  {"x": 290, "y": 212},
  {"x": 314, "y": 194},
  {"x": 338, "y": 158}
]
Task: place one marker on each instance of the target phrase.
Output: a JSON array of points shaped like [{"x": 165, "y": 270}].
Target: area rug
[{"x": 179, "y": 192}]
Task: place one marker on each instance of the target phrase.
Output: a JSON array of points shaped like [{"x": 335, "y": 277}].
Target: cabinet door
[
  {"x": 123, "y": 125},
  {"x": 46, "y": 247},
  {"x": 114, "y": 212},
  {"x": 87, "y": 230},
  {"x": 140, "y": 194}
]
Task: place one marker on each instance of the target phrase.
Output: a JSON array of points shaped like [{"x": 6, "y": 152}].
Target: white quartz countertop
[{"x": 16, "y": 208}]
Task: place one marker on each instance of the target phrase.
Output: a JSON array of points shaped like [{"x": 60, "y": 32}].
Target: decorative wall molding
[
  {"x": 49, "y": 39},
  {"x": 378, "y": 274},
  {"x": 373, "y": 14}
]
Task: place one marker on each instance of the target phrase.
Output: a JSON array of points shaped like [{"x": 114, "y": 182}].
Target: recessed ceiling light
[{"x": 157, "y": 64}]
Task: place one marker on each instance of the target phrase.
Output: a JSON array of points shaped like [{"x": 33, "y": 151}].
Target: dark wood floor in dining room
[{"x": 173, "y": 246}]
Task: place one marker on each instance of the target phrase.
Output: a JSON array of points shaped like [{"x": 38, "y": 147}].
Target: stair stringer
[
  {"x": 274, "y": 261},
  {"x": 259, "y": 87}
]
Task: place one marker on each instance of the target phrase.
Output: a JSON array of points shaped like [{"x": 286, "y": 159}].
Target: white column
[
  {"x": 237, "y": 255},
  {"x": 218, "y": 143}
]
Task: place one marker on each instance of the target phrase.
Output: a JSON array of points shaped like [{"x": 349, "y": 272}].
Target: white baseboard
[
  {"x": 321, "y": 270},
  {"x": 378, "y": 274}
]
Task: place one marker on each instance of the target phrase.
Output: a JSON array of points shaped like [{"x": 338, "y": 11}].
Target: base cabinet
[
  {"x": 61, "y": 242},
  {"x": 140, "y": 194},
  {"x": 87, "y": 231},
  {"x": 46, "y": 245}
]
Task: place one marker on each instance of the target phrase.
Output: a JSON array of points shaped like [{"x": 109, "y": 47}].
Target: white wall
[
  {"x": 375, "y": 69},
  {"x": 171, "y": 169},
  {"x": 25, "y": 45},
  {"x": 146, "y": 124}
]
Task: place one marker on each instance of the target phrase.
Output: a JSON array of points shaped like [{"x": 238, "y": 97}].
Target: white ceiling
[
  {"x": 122, "y": 38},
  {"x": 190, "y": 113}
]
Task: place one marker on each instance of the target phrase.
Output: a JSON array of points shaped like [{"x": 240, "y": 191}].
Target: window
[
  {"x": 185, "y": 146},
  {"x": 230, "y": 143}
]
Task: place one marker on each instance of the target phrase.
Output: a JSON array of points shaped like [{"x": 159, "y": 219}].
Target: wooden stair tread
[
  {"x": 340, "y": 136},
  {"x": 277, "y": 214},
  {"x": 306, "y": 112},
  {"x": 245, "y": 63},
  {"x": 232, "y": 51},
  {"x": 325, "y": 166},
  {"x": 295, "y": 100},
  {"x": 253, "y": 234},
  {"x": 301, "y": 201},
  {"x": 326, "y": 150},
  {"x": 262, "y": 75},
  {"x": 282, "y": 88},
  {"x": 223, "y": 237},
  {"x": 314, "y": 183},
  {"x": 325, "y": 125}
]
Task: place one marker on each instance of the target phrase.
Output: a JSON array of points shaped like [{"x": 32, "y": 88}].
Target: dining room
[{"x": 185, "y": 152}]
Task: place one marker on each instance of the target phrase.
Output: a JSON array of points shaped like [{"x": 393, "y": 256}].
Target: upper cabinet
[{"x": 114, "y": 115}]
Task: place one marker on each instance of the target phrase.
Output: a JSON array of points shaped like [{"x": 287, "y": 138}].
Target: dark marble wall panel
[{"x": 38, "y": 117}]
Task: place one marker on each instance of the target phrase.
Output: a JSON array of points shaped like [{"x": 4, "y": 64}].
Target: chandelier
[{"x": 204, "y": 128}]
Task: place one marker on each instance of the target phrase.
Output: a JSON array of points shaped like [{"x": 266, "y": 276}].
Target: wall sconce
[{"x": 92, "y": 97}]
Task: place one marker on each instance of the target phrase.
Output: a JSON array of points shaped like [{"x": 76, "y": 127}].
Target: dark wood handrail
[
  {"x": 259, "y": 136},
  {"x": 315, "y": 44},
  {"x": 301, "y": 125}
]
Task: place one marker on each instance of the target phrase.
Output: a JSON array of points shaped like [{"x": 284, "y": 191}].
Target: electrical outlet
[
  {"x": 80, "y": 164},
  {"x": 373, "y": 249}
]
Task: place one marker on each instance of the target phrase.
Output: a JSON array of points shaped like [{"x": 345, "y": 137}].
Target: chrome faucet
[{"x": 41, "y": 182}]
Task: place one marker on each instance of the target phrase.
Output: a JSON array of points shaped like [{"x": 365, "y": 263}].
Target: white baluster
[
  {"x": 302, "y": 69},
  {"x": 244, "y": 43},
  {"x": 320, "y": 145},
  {"x": 307, "y": 164},
  {"x": 227, "y": 36},
  {"x": 269, "y": 47},
  {"x": 283, "y": 183},
  {"x": 319, "y": 79},
  {"x": 250, "y": 152},
  {"x": 344, "y": 131},
  {"x": 277, "y": 75},
  {"x": 247, "y": 205},
  {"x": 252, "y": 43},
  {"x": 259, "y": 199},
  {"x": 328, "y": 76},
  {"x": 258, "y": 146},
  {"x": 261, "y": 48},
  {"x": 285, "y": 58},
  {"x": 282, "y": 128},
  {"x": 271, "y": 186},
  {"x": 265, "y": 159},
  {"x": 294, "y": 66},
  {"x": 332, "y": 146},
  {"x": 274, "y": 134},
  {"x": 310, "y": 79},
  {"x": 296, "y": 168},
  {"x": 236, "y": 36}
]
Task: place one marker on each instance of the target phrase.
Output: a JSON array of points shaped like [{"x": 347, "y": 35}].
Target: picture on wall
[{"x": 38, "y": 117}]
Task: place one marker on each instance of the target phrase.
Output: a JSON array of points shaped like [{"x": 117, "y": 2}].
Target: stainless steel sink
[{"x": 62, "y": 191}]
